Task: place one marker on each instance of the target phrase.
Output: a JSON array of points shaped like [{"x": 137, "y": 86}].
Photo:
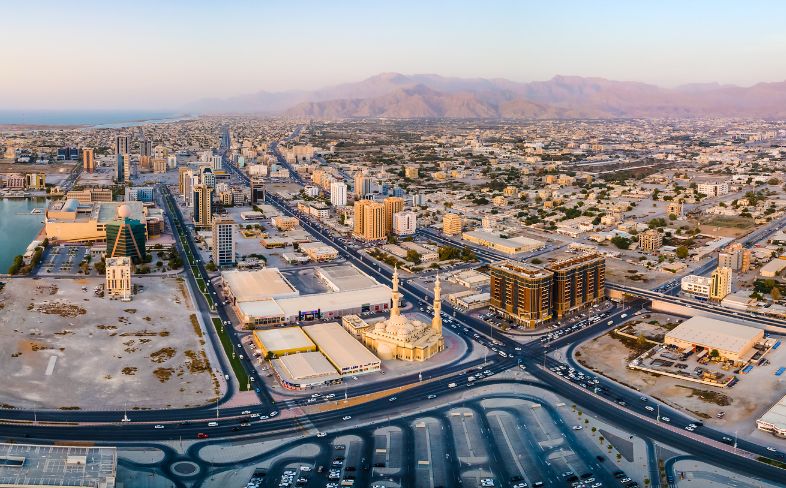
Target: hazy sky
[{"x": 163, "y": 54}]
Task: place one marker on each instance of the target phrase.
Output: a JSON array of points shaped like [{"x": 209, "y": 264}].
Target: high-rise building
[
  {"x": 121, "y": 145},
  {"x": 362, "y": 185},
  {"x": 521, "y": 292},
  {"x": 223, "y": 242},
  {"x": 392, "y": 206},
  {"x": 451, "y": 224},
  {"x": 405, "y": 223},
  {"x": 369, "y": 220},
  {"x": 146, "y": 147},
  {"x": 338, "y": 194},
  {"x": 720, "y": 283},
  {"x": 650, "y": 240},
  {"x": 578, "y": 281},
  {"x": 120, "y": 168},
  {"x": 736, "y": 257},
  {"x": 257, "y": 191},
  {"x": 88, "y": 159},
  {"x": 118, "y": 278},
  {"x": 203, "y": 206},
  {"x": 207, "y": 177},
  {"x": 126, "y": 237},
  {"x": 35, "y": 181},
  {"x": 159, "y": 165},
  {"x": 216, "y": 162}
]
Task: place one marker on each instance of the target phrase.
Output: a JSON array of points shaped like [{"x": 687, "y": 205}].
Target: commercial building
[
  {"x": 369, "y": 222},
  {"x": 774, "y": 419},
  {"x": 338, "y": 194},
  {"x": 521, "y": 292},
  {"x": 504, "y": 245},
  {"x": 720, "y": 283},
  {"x": 735, "y": 257},
  {"x": 90, "y": 195},
  {"x": 223, "y": 242},
  {"x": 118, "y": 278},
  {"x": 362, "y": 185},
  {"x": 126, "y": 237},
  {"x": 121, "y": 145},
  {"x": 392, "y": 205},
  {"x": 695, "y": 285},
  {"x": 773, "y": 268},
  {"x": 451, "y": 224},
  {"x": 279, "y": 342},
  {"x": 304, "y": 370},
  {"x": 318, "y": 252},
  {"x": 69, "y": 221},
  {"x": 405, "y": 223},
  {"x": 469, "y": 299},
  {"x": 203, "y": 206},
  {"x": 344, "y": 352},
  {"x": 403, "y": 338},
  {"x": 411, "y": 172},
  {"x": 674, "y": 208},
  {"x": 57, "y": 466},
  {"x": 139, "y": 194},
  {"x": 713, "y": 189},
  {"x": 284, "y": 223},
  {"x": 650, "y": 240},
  {"x": 88, "y": 159},
  {"x": 578, "y": 281},
  {"x": 354, "y": 325},
  {"x": 733, "y": 342}
]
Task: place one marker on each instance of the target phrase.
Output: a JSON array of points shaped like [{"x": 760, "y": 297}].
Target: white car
[
  {"x": 346, "y": 417},
  {"x": 772, "y": 449},
  {"x": 649, "y": 408},
  {"x": 245, "y": 412},
  {"x": 665, "y": 419},
  {"x": 577, "y": 427},
  {"x": 451, "y": 385},
  {"x": 321, "y": 434},
  {"x": 159, "y": 426}
]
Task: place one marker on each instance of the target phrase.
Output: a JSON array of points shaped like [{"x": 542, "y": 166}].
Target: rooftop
[
  {"x": 247, "y": 286},
  {"x": 283, "y": 339},
  {"x": 345, "y": 278},
  {"x": 60, "y": 466},
  {"x": 522, "y": 269},
  {"x": 304, "y": 366},
  {"x": 715, "y": 334},
  {"x": 343, "y": 350}
]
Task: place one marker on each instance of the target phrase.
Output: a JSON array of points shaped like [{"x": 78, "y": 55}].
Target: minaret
[
  {"x": 436, "y": 322},
  {"x": 396, "y": 297}
]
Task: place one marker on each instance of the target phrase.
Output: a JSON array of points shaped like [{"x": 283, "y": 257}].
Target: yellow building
[
  {"x": 406, "y": 339},
  {"x": 411, "y": 172},
  {"x": 90, "y": 195},
  {"x": 720, "y": 283},
  {"x": 88, "y": 159},
  {"x": 369, "y": 221},
  {"x": 499, "y": 201},
  {"x": 69, "y": 221},
  {"x": 392, "y": 206},
  {"x": 118, "y": 278},
  {"x": 35, "y": 181},
  {"x": 451, "y": 224},
  {"x": 675, "y": 208},
  {"x": 509, "y": 191},
  {"x": 279, "y": 342}
]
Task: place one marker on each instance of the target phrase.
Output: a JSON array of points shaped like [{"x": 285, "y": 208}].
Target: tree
[
  {"x": 16, "y": 265},
  {"x": 620, "y": 242},
  {"x": 714, "y": 353},
  {"x": 413, "y": 256},
  {"x": 775, "y": 293},
  {"x": 681, "y": 252}
]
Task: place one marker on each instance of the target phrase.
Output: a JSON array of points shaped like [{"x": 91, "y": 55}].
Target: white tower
[{"x": 396, "y": 296}]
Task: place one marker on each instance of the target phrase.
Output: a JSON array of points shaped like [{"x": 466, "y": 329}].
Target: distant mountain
[{"x": 394, "y": 95}]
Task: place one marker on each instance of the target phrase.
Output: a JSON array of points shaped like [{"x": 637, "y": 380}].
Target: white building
[
  {"x": 713, "y": 189},
  {"x": 696, "y": 285},
  {"x": 223, "y": 242},
  {"x": 405, "y": 223},
  {"x": 338, "y": 194},
  {"x": 311, "y": 190},
  {"x": 216, "y": 163}
]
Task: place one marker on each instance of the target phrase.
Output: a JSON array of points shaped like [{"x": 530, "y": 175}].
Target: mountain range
[{"x": 394, "y": 95}]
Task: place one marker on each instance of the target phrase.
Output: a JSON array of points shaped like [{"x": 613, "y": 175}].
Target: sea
[
  {"x": 18, "y": 227},
  {"x": 91, "y": 118}
]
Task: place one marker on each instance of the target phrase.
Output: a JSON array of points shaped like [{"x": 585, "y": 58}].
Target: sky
[{"x": 164, "y": 54}]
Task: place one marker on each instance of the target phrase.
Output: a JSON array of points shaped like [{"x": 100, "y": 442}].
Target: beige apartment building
[
  {"x": 118, "y": 278},
  {"x": 369, "y": 221},
  {"x": 392, "y": 205},
  {"x": 720, "y": 283},
  {"x": 451, "y": 224},
  {"x": 650, "y": 240}
]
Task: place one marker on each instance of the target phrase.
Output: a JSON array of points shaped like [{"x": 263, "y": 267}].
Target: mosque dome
[{"x": 123, "y": 211}]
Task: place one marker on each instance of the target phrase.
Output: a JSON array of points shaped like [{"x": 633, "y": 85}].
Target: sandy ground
[
  {"x": 750, "y": 398},
  {"x": 62, "y": 347}
]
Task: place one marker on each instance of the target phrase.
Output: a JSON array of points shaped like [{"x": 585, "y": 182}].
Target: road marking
[{"x": 50, "y": 368}]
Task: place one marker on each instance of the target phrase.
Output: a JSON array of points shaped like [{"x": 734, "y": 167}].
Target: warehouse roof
[
  {"x": 247, "y": 286},
  {"x": 715, "y": 334},
  {"x": 283, "y": 339},
  {"x": 776, "y": 416},
  {"x": 345, "y": 277},
  {"x": 35, "y": 465},
  {"x": 343, "y": 350},
  {"x": 305, "y": 366},
  {"x": 343, "y": 300}
]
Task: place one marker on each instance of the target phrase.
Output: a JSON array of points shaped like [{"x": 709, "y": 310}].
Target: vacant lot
[{"x": 63, "y": 347}]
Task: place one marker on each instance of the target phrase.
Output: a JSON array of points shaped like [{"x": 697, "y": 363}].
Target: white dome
[{"x": 123, "y": 211}]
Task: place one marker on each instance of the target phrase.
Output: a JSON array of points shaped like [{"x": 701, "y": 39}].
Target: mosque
[{"x": 406, "y": 339}]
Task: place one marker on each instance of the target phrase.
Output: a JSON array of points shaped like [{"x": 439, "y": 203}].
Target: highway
[{"x": 615, "y": 402}]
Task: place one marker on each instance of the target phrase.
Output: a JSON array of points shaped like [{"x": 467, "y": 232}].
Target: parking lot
[{"x": 63, "y": 260}]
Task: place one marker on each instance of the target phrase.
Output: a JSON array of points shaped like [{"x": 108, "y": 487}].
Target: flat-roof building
[
  {"x": 344, "y": 352},
  {"x": 282, "y": 341},
  {"x": 260, "y": 284},
  {"x": 504, "y": 245},
  {"x": 521, "y": 292},
  {"x": 733, "y": 342},
  {"x": 304, "y": 370},
  {"x": 774, "y": 419},
  {"x": 32, "y": 466}
]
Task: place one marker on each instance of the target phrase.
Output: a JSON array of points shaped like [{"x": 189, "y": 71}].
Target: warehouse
[
  {"x": 318, "y": 252},
  {"x": 343, "y": 351},
  {"x": 281, "y": 342},
  {"x": 732, "y": 341},
  {"x": 305, "y": 370},
  {"x": 774, "y": 420},
  {"x": 29, "y": 465},
  {"x": 344, "y": 278},
  {"x": 504, "y": 245},
  {"x": 249, "y": 286}
]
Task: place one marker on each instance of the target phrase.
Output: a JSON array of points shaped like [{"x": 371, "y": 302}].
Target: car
[
  {"x": 321, "y": 434},
  {"x": 392, "y": 399},
  {"x": 254, "y": 415},
  {"x": 451, "y": 385},
  {"x": 346, "y": 417},
  {"x": 649, "y": 408},
  {"x": 665, "y": 419},
  {"x": 577, "y": 427},
  {"x": 689, "y": 428},
  {"x": 431, "y": 397},
  {"x": 772, "y": 449},
  {"x": 245, "y": 412},
  {"x": 212, "y": 424},
  {"x": 158, "y": 426},
  {"x": 273, "y": 413},
  {"x": 202, "y": 435}
]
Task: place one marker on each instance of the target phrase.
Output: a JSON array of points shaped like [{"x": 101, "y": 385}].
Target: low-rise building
[
  {"x": 696, "y": 285},
  {"x": 118, "y": 278},
  {"x": 733, "y": 342},
  {"x": 515, "y": 245}
]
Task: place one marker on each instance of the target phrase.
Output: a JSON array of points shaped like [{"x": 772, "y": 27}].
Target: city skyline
[{"x": 167, "y": 57}]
